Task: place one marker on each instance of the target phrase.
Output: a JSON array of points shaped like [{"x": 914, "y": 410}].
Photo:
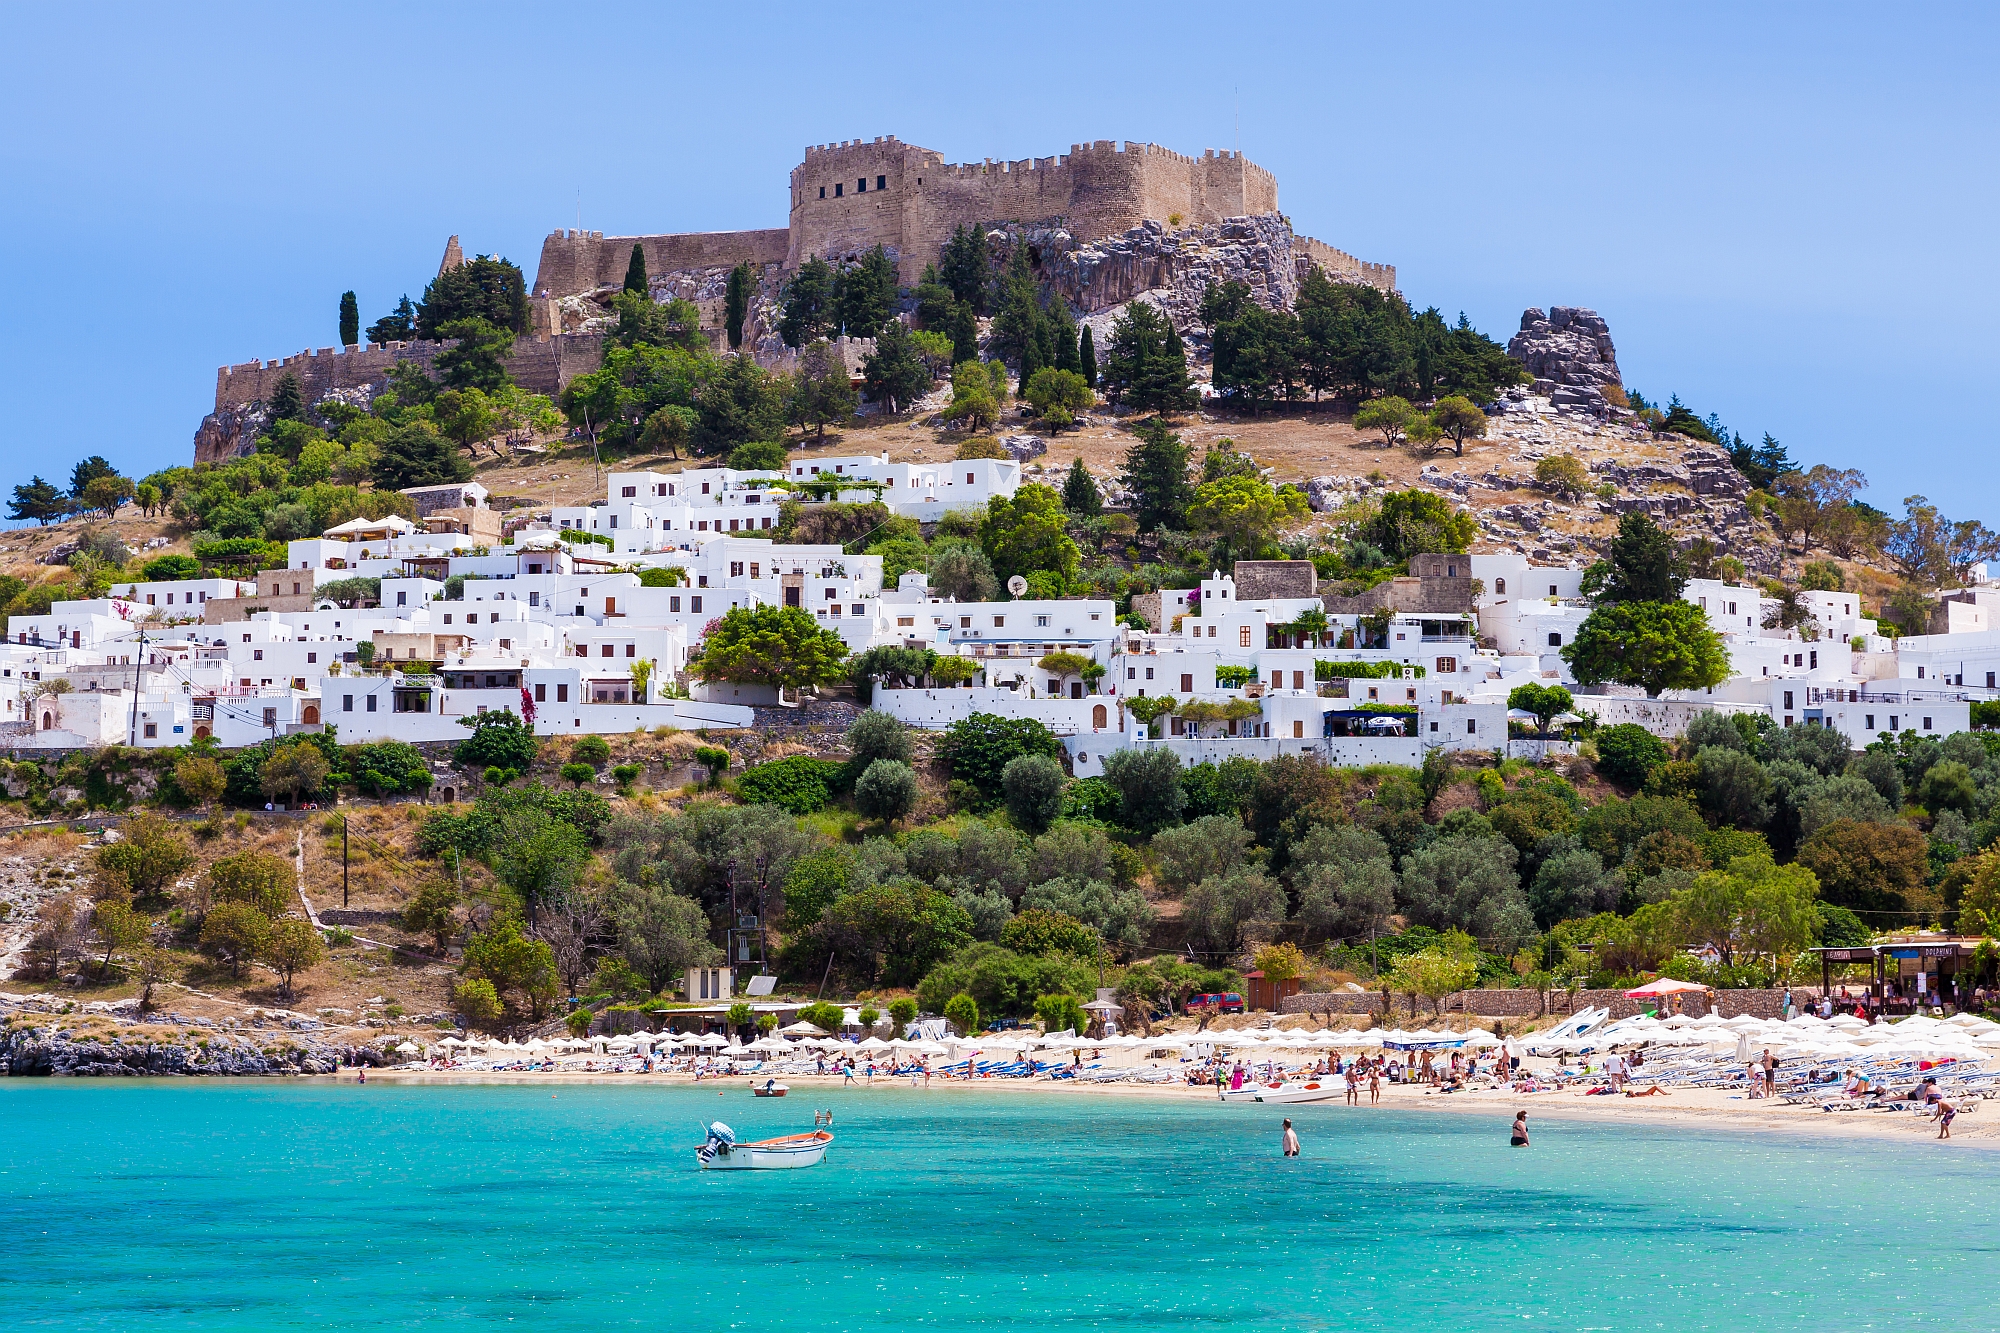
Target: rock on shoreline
[{"x": 51, "y": 1050}]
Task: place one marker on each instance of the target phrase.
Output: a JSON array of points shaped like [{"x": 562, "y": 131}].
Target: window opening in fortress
[
  {"x": 837, "y": 189},
  {"x": 861, "y": 186},
  {"x": 881, "y": 182},
  {"x": 822, "y": 192}
]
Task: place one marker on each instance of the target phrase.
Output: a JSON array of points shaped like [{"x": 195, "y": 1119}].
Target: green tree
[
  {"x": 483, "y": 288},
  {"x": 1389, "y": 416},
  {"x": 1150, "y": 795},
  {"x": 288, "y": 403},
  {"x": 822, "y": 391},
  {"x": 895, "y": 373},
  {"x": 978, "y": 748},
  {"x": 661, "y": 933},
  {"x": 1145, "y": 367},
  {"x": 119, "y": 927},
  {"x": 1058, "y": 395},
  {"x": 498, "y": 740},
  {"x": 1655, "y": 645},
  {"x": 592, "y": 750},
  {"x": 867, "y": 294},
  {"x": 809, "y": 304},
  {"x": 1086, "y": 359},
  {"x": 430, "y": 913},
  {"x": 1156, "y": 472},
  {"x": 876, "y": 735},
  {"x": 962, "y": 1012},
  {"x": 151, "y": 855},
  {"x": 478, "y": 1001},
  {"x": 972, "y": 397},
  {"x": 887, "y": 790},
  {"x": 1456, "y": 419},
  {"x": 350, "y": 320},
  {"x": 1546, "y": 702},
  {"x": 1037, "y": 932},
  {"x": 259, "y": 879},
  {"x": 635, "y": 271},
  {"x": 964, "y": 267},
  {"x": 1079, "y": 493},
  {"x": 170, "y": 568},
  {"x": 290, "y": 947},
  {"x": 1869, "y": 867},
  {"x": 414, "y": 454},
  {"x": 736, "y": 302},
  {"x": 200, "y": 779},
  {"x": 400, "y": 325},
  {"x": 1644, "y": 564},
  {"x": 893, "y": 933},
  {"x": 477, "y": 360},
  {"x": 37, "y": 500},
  {"x": 1564, "y": 474},
  {"x": 293, "y": 771},
  {"x": 234, "y": 932},
  {"x": 516, "y": 964},
  {"x": 1628, "y": 752},
  {"x": 1033, "y": 785},
  {"x": 1026, "y": 532},
  {"x": 1247, "y": 513},
  {"x": 538, "y": 856},
  {"x": 1415, "y": 522},
  {"x": 1060, "y": 1013},
  {"x": 783, "y": 647}
]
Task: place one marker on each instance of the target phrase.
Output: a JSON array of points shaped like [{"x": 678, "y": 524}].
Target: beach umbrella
[
  {"x": 871, "y": 1044},
  {"x": 1662, "y": 987},
  {"x": 407, "y": 1048}
]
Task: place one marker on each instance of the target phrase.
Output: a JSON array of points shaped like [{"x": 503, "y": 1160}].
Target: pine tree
[
  {"x": 1646, "y": 566},
  {"x": 1079, "y": 492},
  {"x": 1156, "y": 472},
  {"x": 742, "y": 281},
  {"x": 635, "y": 272},
  {"x": 350, "y": 320},
  {"x": 1086, "y": 356},
  {"x": 868, "y": 294},
  {"x": 288, "y": 401},
  {"x": 397, "y": 327},
  {"x": 964, "y": 269},
  {"x": 810, "y": 299},
  {"x": 1062, "y": 337},
  {"x": 894, "y": 373},
  {"x": 964, "y": 334}
]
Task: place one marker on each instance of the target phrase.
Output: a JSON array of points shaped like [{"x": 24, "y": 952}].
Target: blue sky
[{"x": 1784, "y": 212}]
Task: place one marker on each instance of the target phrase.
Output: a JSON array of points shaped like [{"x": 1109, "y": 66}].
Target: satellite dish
[{"x": 1016, "y": 586}]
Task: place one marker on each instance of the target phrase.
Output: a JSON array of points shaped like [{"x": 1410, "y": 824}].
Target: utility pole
[
  {"x": 138, "y": 666},
  {"x": 343, "y": 860}
]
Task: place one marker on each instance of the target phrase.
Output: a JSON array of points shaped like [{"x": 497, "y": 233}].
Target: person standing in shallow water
[
  {"x": 1291, "y": 1140},
  {"x": 1519, "y": 1138}
]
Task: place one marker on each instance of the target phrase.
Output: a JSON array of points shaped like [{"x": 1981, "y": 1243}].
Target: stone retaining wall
[{"x": 1530, "y": 1004}]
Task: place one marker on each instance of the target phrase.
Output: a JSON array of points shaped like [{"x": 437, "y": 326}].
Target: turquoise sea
[{"x": 138, "y": 1206}]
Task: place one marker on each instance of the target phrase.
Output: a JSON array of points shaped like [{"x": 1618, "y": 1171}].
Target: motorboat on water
[
  {"x": 721, "y": 1151},
  {"x": 770, "y": 1087}
]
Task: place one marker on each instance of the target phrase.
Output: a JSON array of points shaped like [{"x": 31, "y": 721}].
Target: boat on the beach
[
  {"x": 786, "y": 1153},
  {"x": 770, "y": 1087},
  {"x": 1313, "y": 1090}
]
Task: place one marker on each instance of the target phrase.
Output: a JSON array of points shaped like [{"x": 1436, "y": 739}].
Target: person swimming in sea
[
  {"x": 1291, "y": 1139},
  {"x": 1520, "y": 1135}
]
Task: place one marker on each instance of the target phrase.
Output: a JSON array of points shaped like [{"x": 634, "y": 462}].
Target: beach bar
[{"x": 1909, "y": 974}]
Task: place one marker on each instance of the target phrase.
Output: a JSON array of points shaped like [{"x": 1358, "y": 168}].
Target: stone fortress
[{"x": 1106, "y": 222}]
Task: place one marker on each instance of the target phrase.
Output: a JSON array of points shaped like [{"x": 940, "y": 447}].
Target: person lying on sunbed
[{"x": 1655, "y": 1090}]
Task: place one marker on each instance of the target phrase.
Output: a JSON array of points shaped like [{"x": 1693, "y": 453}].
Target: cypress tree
[
  {"x": 737, "y": 303},
  {"x": 288, "y": 400},
  {"x": 1086, "y": 356},
  {"x": 964, "y": 334},
  {"x": 1062, "y": 333},
  {"x": 350, "y": 320},
  {"x": 635, "y": 272},
  {"x": 1079, "y": 493}
]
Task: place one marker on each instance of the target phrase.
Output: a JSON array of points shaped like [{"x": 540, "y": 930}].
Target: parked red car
[{"x": 1229, "y": 1003}]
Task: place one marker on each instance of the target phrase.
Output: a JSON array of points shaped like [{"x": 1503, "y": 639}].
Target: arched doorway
[
  {"x": 48, "y": 721},
  {"x": 201, "y": 732},
  {"x": 312, "y": 715},
  {"x": 1097, "y": 716},
  {"x": 448, "y": 794}
]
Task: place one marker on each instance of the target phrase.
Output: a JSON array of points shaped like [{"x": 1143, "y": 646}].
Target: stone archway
[{"x": 449, "y": 795}]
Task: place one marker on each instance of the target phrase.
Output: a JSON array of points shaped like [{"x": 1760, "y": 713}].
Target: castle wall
[
  {"x": 1340, "y": 264},
  {"x": 582, "y": 261},
  {"x": 539, "y": 365},
  {"x": 913, "y": 200}
]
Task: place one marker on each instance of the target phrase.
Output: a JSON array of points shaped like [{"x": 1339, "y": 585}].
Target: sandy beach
[{"x": 1705, "y": 1109}]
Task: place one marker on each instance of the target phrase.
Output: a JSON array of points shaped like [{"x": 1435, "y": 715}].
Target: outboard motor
[{"x": 721, "y": 1138}]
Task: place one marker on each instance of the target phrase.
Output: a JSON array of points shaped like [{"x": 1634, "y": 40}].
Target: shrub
[
  {"x": 578, "y": 1021},
  {"x": 578, "y": 774},
  {"x": 876, "y": 735},
  {"x": 1628, "y": 752},
  {"x": 1038, "y": 931},
  {"x": 259, "y": 879},
  {"x": 627, "y": 774},
  {"x": 713, "y": 758},
  {"x": 904, "y": 1012},
  {"x": 758, "y": 456},
  {"x": 825, "y": 1017},
  {"x": 1059, "y": 1012},
  {"x": 234, "y": 931},
  {"x": 498, "y": 740},
  {"x": 979, "y": 747},
  {"x": 429, "y": 913},
  {"x": 886, "y": 791},
  {"x": 962, "y": 1012},
  {"x": 477, "y": 1000},
  {"x": 798, "y": 784},
  {"x": 592, "y": 750}
]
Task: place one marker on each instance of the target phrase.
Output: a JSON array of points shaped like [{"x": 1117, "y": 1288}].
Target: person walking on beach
[
  {"x": 1519, "y": 1138},
  {"x": 848, "y": 1070},
  {"x": 1291, "y": 1140},
  {"x": 1353, "y": 1086},
  {"x": 1770, "y": 1064}
]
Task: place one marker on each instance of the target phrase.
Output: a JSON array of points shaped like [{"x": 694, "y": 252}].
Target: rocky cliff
[{"x": 1569, "y": 353}]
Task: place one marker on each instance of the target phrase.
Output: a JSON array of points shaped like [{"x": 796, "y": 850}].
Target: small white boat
[
  {"x": 723, "y": 1153},
  {"x": 1312, "y": 1090}
]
